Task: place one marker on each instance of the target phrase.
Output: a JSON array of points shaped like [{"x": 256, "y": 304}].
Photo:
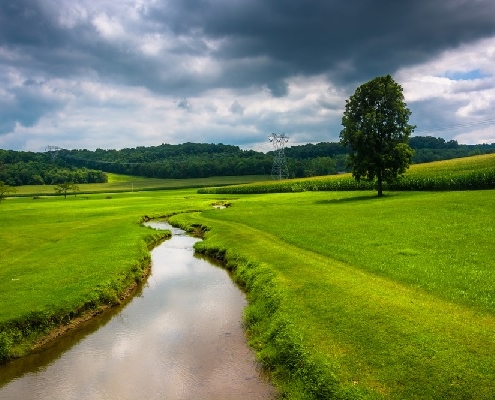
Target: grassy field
[
  {"x": 351, "y": 296},
  {"x": 124, "y": 183},
  {"x": 354, "y": 296},
  {"x": 61, "y": 257}
]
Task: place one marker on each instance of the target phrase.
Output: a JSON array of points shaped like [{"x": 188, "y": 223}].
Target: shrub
[{"x": 5, "y": 346}]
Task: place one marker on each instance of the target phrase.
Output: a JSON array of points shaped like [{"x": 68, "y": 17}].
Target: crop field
[
  {"x": 470, "y": 173},
  {"x": 351, "y": 296}
]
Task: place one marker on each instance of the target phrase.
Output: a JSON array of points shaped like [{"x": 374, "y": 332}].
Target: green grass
[
  {"x": 463, "y": 165},
  {"x": 125, "y": 183},
  {"x": 61, "y": 257},
  {"x": 353, "y": 295}
]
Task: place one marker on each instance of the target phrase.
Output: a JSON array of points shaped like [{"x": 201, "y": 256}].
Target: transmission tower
[
  {"x": 279, "y": 169},
  {"x": 53, "y": 151}
]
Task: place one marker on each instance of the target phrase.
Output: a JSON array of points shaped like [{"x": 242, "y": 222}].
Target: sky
[{"x": 88, "y": 74}]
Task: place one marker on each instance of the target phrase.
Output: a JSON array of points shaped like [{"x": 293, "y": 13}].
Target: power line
[
  {"x": 105, "y": 162},
  {"x": 458, "y": 126},
  {"x": 53, "y": 151}
]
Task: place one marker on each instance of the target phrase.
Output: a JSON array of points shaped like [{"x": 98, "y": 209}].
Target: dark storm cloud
[
  {"x": 26, "y": 106},
  {"x": 22, "y": 23},
  {"x": 192, "y": 49},
  {"x": 278, "y": 88},
  {"x": 184, "y": 104},
  {"x": 236, "y": 108},
  {"x": 351, "y": 41}
]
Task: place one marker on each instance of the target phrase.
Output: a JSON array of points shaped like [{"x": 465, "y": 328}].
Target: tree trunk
[{"x": 380, "y": 185}]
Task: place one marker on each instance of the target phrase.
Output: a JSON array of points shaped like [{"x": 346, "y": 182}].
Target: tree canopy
[
  {"x": 197, "y": 160},
  {"x": 376, "y": 131}
]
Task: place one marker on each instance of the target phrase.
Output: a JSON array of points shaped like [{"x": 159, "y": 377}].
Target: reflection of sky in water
[{"x": 182, "y": 339}]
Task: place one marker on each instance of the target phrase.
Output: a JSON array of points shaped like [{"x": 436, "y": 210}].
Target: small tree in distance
[
  {"x": 5, "y": 190},
  {"x": 75, "y": 189},
  {"x": 377, "y": 132},
  {"x": 64, "y": 188}
]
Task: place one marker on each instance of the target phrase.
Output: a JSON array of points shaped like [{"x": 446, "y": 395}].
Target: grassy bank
[
  {"x": 470, "y": 173},
  {"x": 62, "y": 257},
  {"x": 352, "y": 296}
]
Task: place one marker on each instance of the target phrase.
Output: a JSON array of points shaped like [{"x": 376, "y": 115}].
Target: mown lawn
[{"x": 394, "y": 296}]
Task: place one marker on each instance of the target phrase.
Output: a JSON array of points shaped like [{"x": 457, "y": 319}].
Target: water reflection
[{"x": 181, "y": 339}]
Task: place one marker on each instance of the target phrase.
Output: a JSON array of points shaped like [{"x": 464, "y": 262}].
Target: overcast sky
[{"x": 113, "y": 74}]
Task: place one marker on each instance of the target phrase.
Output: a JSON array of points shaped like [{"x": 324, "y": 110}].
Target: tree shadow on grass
[{"x": 356, "y": 199}]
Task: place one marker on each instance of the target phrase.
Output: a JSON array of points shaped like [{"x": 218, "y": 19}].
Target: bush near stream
[{"x": 471, "y": 173}]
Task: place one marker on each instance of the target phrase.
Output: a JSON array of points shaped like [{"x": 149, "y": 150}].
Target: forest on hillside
[
  {"x": 199, "y": 160},
  {"x": 31, "y": 168}
]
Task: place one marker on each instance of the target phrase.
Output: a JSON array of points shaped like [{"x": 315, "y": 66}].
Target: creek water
[{"x": 179, "y": 337}]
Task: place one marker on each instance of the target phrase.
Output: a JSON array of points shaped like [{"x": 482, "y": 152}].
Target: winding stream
[{"x": 180, "y": 337}]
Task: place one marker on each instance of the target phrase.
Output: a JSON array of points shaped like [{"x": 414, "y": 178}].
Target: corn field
[{"x": 470, "y": 173}]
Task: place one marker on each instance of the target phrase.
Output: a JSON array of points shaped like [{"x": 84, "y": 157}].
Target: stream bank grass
[
  {"x": 61, "y": 257},
  {"x": 353, "y": 296}
]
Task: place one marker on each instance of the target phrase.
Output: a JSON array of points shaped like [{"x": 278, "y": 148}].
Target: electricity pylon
[
  {"x": 279, "y": 169},
  {"x": 53, "y": 151}
]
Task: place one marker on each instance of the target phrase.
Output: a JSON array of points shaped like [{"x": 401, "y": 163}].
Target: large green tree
[{"x": 376, "y": 131}]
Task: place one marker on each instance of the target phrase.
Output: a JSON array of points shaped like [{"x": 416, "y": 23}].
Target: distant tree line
[
  {"x": 29, "y": 168},
  {"x": 188, "y": 160},
  {"x": 428, "y": 149},
  {"x": 199, "y": 160}
]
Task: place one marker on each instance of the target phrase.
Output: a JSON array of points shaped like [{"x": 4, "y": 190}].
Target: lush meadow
[
  {"x": 124, "y": 183},
  {"x": 354, "y": 296},
  {"x": 62, "y": 257},
  {"x": 351, "y": 295}
]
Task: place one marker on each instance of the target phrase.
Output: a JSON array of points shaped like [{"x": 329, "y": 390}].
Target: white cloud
[
  {"x": 108, "y": 27},
  {"x": 141, "y": 72},
  {"x": 71, "y": 15},
  {"x": 152, "y": 45},
  {"x": 477, "y": 136},
  {"x": 128, "y": 116},
  {"x": 422, "y": 87},
  {"x": 461, "y": 81}
]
